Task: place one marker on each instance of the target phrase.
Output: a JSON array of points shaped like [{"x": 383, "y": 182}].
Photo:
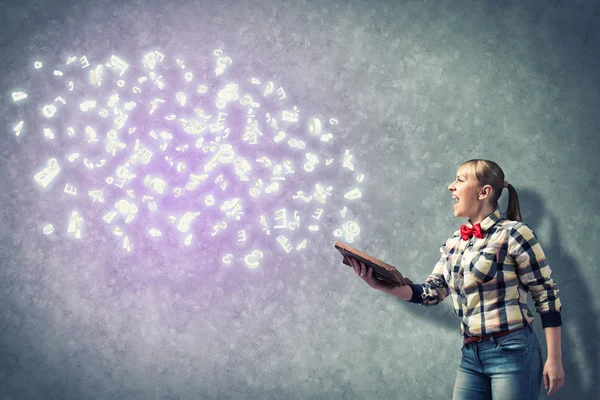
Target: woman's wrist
[{"x": 403, "y": 292}]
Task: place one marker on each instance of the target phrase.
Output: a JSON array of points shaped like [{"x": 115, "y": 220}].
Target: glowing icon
[
  {"x": 17, "y": 129},
  {"x": 281, "y": 93},
  {"x": 96, "y": 75},
  {"x": 290, "y": 116},
  {"x": 220, "y": 226},
  {"x": 48, "y": 133},
  {"x": 96, "y": 195},
  {"x": 326, "y": 137},
  {"x": 70, "y": 189},
  {"x": 127, "y": 244},
  {"x": 48, "y": 229},
  {"x": 87, "y": 105},
  {"x": 180, "y": 96},
  {"x": 252, "y": 260},
  {"x": 152, "y": 58},
  {"x": 17, "y": 96},
  {"x": 118, "y": 65},
  {"x": 353, "y": 194},
  {"x": 314, "y": 126},
  {"x": 49, "y": 110},
  {"x": 157, "y": 184},
  {"x": 84, "y": 62},
  {"x": 222, "y": 64},
  {"x": 186, "y": 220},
  {"x": 46, "y": 175},
  {"x": 269, "y": 89},
  {"x": 75, "y": 225},
  {"x": 322, "y": 193},
  {"x": 284, "y": 242},
  {"x": 347, "y": 160},
  {"x": 233, "y": 208},
  {"x": 155, "y": 232}
]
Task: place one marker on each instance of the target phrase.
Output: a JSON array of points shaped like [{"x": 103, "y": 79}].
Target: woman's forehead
[{"x": 464, "y": 171}]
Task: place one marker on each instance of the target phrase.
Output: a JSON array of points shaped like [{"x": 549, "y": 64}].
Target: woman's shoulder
[{"x": 510, "y": 225}]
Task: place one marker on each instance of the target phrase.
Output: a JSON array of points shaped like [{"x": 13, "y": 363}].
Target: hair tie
[{"x": 505, "y": 184}]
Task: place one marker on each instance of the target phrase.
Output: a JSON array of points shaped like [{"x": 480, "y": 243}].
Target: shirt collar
[{"x": 488, "y": 221}]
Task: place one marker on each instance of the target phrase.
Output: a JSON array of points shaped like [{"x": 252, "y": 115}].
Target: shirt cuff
[
  {"x": 551, "y": 318},
  {"x": 417, "y": 296}
]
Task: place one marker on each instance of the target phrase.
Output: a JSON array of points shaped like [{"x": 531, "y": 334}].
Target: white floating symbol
[
  {"x": 75, "y": 225},
  {"x": 118, "y": 64},
  {"x": 17, "y": 129},
  {"x": 96, "y": 75},
  {"x": 84, "y": 62},
  {"x": 353, "y": 194},
  {"x": 314, "y": 126},
  {"x": 49, "y": 110},
  {"x": 253, "y": 260},
  {"x": 48, "y": 229},
  {"x": 269, "y": 89},
  {"x": 155, "y": 232},
  {"x": 70, "y": 189},
  {"x": 16, "y": 96},
  {"x": 46, "y": 175},
  {"x": 87, "y": 105}
]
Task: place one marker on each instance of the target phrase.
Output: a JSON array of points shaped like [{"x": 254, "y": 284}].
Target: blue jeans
[{"x": 508, "y": 368}]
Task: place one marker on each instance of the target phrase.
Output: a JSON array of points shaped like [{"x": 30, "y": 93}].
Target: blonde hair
[{"x": 487, "y": 172}]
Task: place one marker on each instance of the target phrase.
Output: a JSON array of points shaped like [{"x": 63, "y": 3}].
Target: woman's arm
[
  {"x": 554, "y": 375},
  {"x": 402, "y": 292},
  {"x": 553, "y": 342}
]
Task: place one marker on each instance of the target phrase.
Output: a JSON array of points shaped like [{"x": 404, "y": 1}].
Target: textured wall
[{"x": 418, "y": 88}]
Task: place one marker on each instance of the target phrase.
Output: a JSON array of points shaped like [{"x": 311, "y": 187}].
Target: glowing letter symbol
[
  {"x": 45, "y": 176},
  {"x": 75, "y": 225}
]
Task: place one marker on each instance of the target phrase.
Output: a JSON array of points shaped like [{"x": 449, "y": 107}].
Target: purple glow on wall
[{"x": 210, "y": 160}]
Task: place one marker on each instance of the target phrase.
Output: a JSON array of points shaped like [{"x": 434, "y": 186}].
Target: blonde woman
[{"x": 487, "y": 268}]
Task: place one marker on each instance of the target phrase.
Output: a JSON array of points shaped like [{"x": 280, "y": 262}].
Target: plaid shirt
[{"x": 488, "y": 279}]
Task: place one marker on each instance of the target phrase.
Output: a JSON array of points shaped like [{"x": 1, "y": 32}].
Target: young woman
[{"x": 486, "y": 268}]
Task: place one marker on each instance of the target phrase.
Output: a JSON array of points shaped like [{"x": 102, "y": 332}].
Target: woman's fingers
[
  {"x": 360, "y": 268},
  {"x": 354, "y": 265}
]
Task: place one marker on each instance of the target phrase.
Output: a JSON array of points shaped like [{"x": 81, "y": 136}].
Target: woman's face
[{"x": 465, "y": 189}]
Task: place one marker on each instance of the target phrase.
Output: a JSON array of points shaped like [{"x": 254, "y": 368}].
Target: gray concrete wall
[{"x": 417, "y": 87}]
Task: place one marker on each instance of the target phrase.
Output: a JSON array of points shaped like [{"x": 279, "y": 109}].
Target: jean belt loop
[{"x": 493, "y": 339}]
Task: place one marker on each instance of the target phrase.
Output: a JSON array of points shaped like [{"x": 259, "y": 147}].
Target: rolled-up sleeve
[
  {"x": 435, "y": 287},
  {"x": 535, "y": 273}
]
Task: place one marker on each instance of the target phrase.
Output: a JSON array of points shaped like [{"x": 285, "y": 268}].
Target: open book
[{"x": 381, "y": 270}]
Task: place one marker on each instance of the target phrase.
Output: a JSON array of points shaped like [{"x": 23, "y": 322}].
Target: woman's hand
[
  {"x": 554, "y": 376},
  {"x": 366, "y": 273}
]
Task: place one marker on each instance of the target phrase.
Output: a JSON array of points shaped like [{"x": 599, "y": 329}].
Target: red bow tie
[{"x": 466, "y": 232}]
